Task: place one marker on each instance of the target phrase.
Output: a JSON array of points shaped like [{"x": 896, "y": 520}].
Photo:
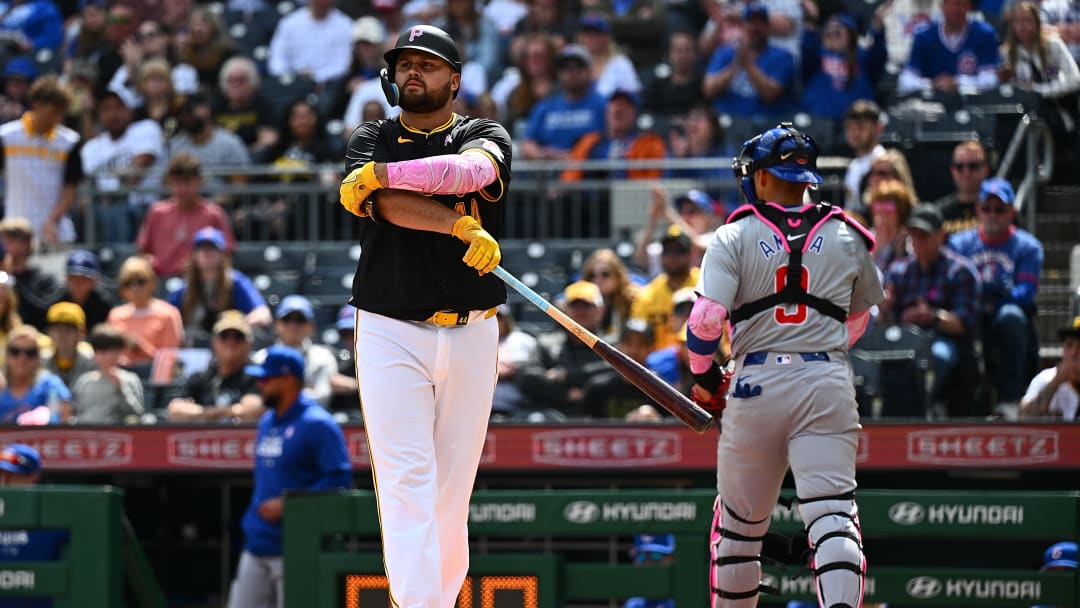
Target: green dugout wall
[
  {"x": 101, "y": 559},
  {"x": 332, "y": 548}
]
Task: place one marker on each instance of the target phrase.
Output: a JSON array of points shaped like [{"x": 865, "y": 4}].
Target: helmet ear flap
[{"x": 389, "y": 87}]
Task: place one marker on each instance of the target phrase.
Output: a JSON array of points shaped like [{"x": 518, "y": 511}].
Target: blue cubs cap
[
  {"x": 700, "y": 199},
  {"x": 632, "y": 97},
  {"x": 280, "y": 360},
  {"x": 346, "y": 317},
  {"x": 84, "y": 264},
  {"x": 847, "y": 21},
  {"x": 209, "y": 236},
  {"x": 1060, "y": 555},
  {"x": 660, "y": 543},
  {"x": 996, "y": 186},
  {"x": 755, "y": 10},
  {"x": 295, "y": 303},
  {"x": 21, "y": 459}
]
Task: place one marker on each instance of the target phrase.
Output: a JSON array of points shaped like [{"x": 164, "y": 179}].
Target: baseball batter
[
  {"x": 797, "y": 282},
  {"x": 430, "y": 185}
]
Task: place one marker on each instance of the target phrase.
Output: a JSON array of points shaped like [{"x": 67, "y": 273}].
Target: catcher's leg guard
[
  {"x": 735, "y": 548},
  {"x": 832, "y": 523}
]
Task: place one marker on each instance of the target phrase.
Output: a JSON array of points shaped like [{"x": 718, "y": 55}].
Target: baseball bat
[{"x": 652, "y": 385}]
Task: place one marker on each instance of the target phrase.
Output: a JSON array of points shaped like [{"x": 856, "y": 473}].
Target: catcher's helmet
[
  {"x": 783, "y": 151},
  {"x": 427, "y": 38}
]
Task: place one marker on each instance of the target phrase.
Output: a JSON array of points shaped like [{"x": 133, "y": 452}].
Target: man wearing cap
[
  {"x": 753, "y": 78},
  {"x": 37, "y": 290},
  {"x": 20, "y": 466},
  {"x": 955, "y": 52},
  {"x": 1055, "y": 391},
  {"x": 937, "y": 290},
  {"x": 66, "y": 328},
  {"x": 83, "y": 287},
  {"x": 430, "y": 187},
  {"x": 363, "y": 85},
  {"x": 298, "y": 446},
  {"x": 222, "y": 391},
  {"x": 862, "y": 133},
  {"x": 559, "y": 120},
  {"x": 694, "y": 212},
  {"x": 619, "y": 140},
  {"x": 1009, "y": 261},
  {"x": 123, "y": 146},
  {"x": 562, "y": 365},
  {"x": 165, "y": 236},
  {"x": 41, "y": 163},
  {"x": 294, "y": 326},
  {"x": 653, "y": 302},
  {"x": 210, "y": 144}
]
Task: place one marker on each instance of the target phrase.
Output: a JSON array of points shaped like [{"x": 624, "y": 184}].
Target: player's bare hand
[
  {"x": 272, "y": 509},
  {"x": 484, "y": 253},
  {"x": 357, "y": 187}
]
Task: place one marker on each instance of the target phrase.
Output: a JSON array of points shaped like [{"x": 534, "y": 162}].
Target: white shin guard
[
  {"x": 839, "y": 565},
  {"x": 735, "y": 549}
]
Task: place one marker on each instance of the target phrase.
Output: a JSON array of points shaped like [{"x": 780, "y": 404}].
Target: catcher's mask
[{"x": 783, "y": 151}]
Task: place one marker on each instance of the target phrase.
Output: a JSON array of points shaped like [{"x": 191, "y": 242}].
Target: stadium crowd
[{"x": 139, "y": 98}]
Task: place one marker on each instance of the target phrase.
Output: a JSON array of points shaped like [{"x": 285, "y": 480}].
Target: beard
[{"x": 425, "y": 101}]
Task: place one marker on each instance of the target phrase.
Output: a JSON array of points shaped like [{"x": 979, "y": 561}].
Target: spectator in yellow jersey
[{"x": 654, "y": 301}]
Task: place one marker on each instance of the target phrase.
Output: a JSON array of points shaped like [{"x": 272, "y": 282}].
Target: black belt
[{"x": 760, "y": 357}]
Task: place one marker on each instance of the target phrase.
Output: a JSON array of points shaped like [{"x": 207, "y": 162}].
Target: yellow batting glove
[
  {"x": 484, "y": 253},
  {"x": 357, "y": 187}
]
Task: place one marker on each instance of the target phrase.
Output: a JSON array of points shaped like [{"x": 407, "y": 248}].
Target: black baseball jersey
[{"x": 410, "y": 274}]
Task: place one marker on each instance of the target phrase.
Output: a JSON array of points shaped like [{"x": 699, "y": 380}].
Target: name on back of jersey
[{"x": 768, "y": 249}]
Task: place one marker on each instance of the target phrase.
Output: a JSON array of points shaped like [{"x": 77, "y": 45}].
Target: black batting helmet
[{"x": 429, "y": 39}]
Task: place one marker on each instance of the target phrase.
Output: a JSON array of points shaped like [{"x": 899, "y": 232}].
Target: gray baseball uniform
[{"x": 792, "y": 402}]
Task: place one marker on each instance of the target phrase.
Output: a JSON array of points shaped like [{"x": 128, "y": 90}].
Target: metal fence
[{"x": 267, "y": 203}]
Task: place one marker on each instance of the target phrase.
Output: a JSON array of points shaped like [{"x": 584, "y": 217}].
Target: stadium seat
[{"x": 892, "y": 362}]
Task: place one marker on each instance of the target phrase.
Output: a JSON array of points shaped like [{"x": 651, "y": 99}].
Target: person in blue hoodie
[
  {"x": 836, "y": 70},
  {"x": 298, "y": 446}
]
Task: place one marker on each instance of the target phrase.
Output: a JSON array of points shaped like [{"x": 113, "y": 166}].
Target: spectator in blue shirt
[
  {"x": 1009, "y": 262},
  {"x": 219, "y": 287},
  {"x": 954, "y": 53},
  {"x": 36, "y": 24},
  {"x": 751, "y": 78},
  {"x": 937, "y": 290},
  {"x": 836, "y": 71},
  {"x": 298, "y": 446},
  {"x": 559, "y": 120},
  {"x": 33, "y": 396},
  {"x": 650, "y": 549}
]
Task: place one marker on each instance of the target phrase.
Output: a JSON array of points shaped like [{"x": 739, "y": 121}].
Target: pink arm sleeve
[
  {"x": 856, "y": 326},
  {"x": 706, "y": 323},
  {"x": 446, "y": 174}
]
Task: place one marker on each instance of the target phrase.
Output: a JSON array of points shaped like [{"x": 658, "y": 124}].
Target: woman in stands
[
  {"x": 532, "y": 79},
  {"x": 161, "y": 103},
  {"x": 700, "y": 136},
  {"x": 205, "y": 45},
  {"x": 32, "y": 396},
  {"x": 211, "y": 286},
  {"x": 611, "y": 69},
  {"x": 1036, "y": 59},
  {"x": 9, "y": 310},
  {"x": 891, "y": 203},
  {"x": 606, "y": 269},
  {"x": 148, "y": 323},
  {"x": 836, "y": 72},
  {"x": 890, "y": 164}
]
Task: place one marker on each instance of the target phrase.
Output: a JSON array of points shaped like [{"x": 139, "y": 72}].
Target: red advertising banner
[{"x": 178, "y": 449}]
